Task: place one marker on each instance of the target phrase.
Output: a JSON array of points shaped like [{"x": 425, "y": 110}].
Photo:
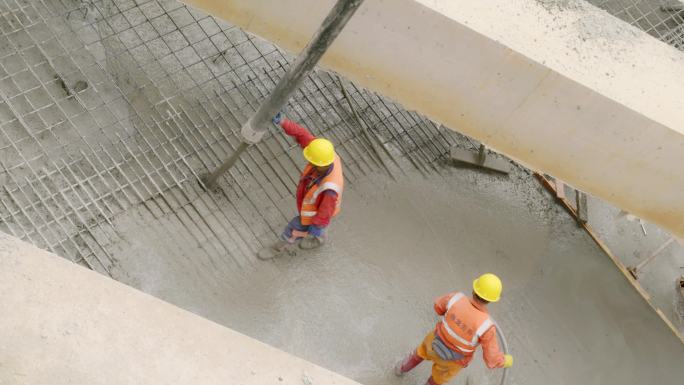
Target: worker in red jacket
[
  {"x": 464, "y": 326},
  {"x": 319, "y": 193}
]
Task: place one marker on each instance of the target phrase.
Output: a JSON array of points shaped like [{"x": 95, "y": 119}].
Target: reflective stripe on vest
[
  {"x": 463, "y": 344},
  {"x": 333, "y": 182},
  {"x": 323, "y": 187}
]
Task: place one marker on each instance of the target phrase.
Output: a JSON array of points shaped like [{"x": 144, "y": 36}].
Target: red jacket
[{"x": 326, "y": 202}]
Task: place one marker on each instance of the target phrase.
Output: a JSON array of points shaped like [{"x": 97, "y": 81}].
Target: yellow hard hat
[
  {"x": 320, "y": 152},
  {"x": 488, "y": 287}
]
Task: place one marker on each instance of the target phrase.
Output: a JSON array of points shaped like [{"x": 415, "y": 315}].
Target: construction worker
[
  {"x": 319, "y": 193},
  {"x": 465, "y": 324}
]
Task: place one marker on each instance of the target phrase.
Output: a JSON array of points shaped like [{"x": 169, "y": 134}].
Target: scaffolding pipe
[{"x": 255, "y": 128}]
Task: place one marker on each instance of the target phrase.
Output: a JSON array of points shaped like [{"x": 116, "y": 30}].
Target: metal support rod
[
  {"x": 255, "y": 128},
  {"x": 372, "y": 140},
  {"x": 672, "y": 8},
  {"x": 651, "y": 257}
]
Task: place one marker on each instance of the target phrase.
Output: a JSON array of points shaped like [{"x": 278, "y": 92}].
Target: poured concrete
[
  {"x": 365, "y": 299},
  {"x": 353, "y": 307},
  {"x": 558, "y": 85}
]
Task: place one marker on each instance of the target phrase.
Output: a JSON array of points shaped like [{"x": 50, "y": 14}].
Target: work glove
[
  {"x": 315, "y": 231},
  {"x": 278, "y": 118},
  {"x": 508, "y": 361}
]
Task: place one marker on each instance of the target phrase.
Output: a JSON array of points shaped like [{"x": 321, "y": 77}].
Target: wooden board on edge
[{"x": 473, "y": 158}]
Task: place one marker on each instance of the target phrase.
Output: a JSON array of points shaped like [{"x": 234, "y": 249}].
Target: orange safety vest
[
  {"x": 333, "y": 181},
  {"x": 463, "y": 325}
]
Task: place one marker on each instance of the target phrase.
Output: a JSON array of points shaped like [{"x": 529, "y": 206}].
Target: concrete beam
[
  {"x": 565, "y": 89},
  {"x": 64, "y": 324}
]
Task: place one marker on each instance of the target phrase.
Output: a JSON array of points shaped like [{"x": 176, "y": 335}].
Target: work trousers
[
  {"x": 442, "y": 370},
  {"x": 295, "y": 225}
]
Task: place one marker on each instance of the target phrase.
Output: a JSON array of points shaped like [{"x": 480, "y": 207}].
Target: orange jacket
[
  {"x": 465, "y": 325},
  {"x": 334, "y": 181}
]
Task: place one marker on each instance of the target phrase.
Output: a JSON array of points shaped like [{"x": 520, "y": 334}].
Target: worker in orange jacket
[
  {"x": 464, "y": 326},
  {"x": 319, "y": 192}
]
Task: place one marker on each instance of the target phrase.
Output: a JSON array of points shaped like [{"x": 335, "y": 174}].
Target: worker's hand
[
  {"x": 508, "y": 361},
  {"x": 277, "y": 119}
]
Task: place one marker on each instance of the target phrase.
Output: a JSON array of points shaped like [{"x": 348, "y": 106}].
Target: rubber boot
[
  {"x": 278, "y": 249},
  {"x": 408, "y": 363},
  {"x": 310, "y": 243}
]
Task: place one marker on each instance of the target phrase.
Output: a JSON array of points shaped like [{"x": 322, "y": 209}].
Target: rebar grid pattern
[
  {"x": 662, "y": 19},
  {"x": 113, "y": 104}
]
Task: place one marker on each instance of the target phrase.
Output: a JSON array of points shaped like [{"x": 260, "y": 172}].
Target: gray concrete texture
[
  {"x": 662, "y": 19},
  {"x": 111, "y": 110}
]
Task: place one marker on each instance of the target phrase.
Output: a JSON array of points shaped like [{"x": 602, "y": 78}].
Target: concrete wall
[
  {"x": 64, "y": 324},
  {"x": 566, "y": 89}
]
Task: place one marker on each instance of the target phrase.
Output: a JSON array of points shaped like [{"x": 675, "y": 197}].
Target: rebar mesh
[
  {"x": 662, "y": 19},
  {"x": 114, "y": 105}
]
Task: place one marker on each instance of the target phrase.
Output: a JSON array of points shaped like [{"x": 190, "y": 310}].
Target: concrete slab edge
[{"x": 70, "y": 325}]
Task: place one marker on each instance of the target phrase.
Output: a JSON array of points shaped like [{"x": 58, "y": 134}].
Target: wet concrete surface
[{"x": 357, "y": 305}]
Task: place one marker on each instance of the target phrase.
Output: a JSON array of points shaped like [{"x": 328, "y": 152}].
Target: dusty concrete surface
[
  {"x": 357, "y": 305},
  {"x": 68, "y": 325}
]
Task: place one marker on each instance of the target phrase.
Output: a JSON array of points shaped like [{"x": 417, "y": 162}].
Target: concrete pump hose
[{"x": 504, "y": 344}]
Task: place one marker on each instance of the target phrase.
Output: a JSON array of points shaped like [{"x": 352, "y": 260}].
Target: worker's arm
[
  {"x": 493, "y": 356},
  {"x": 441, "y": 303},
  {"x": 299, "y": 133},
  {"x": 326, "y": 208}
]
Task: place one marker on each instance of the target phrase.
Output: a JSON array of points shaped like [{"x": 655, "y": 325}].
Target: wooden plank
[
  {"x": 560, "y": 188},
  {"x": 581, "y": 204},
  {"x": 644, "y": 294},
  {"x": 552, "y": 188},
  {"x": 457, "y": 154}
]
